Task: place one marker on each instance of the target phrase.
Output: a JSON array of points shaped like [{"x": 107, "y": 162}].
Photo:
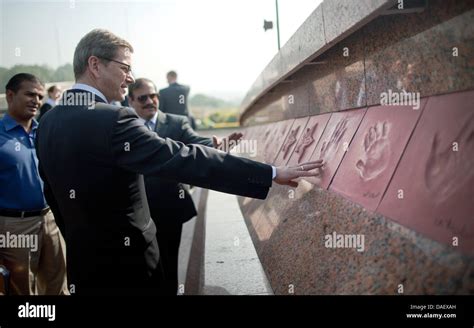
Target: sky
[{"x": 218, "y": 47}]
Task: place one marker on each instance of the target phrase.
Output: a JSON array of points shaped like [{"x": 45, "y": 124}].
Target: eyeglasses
[
  {"x": 127, "y": 69},
  {"x": 142, "y": 99}
]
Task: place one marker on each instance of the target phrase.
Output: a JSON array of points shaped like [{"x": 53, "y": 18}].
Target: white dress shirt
[
  {"x": 151, "y": 123},
  {"x": 85, "y": 87},
  {"x": 51, "y": 102}
]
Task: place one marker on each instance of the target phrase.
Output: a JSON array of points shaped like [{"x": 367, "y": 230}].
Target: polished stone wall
[
  {"x": 398, "y": 176},
  {"x": 429, "y": 52},
  {"x": 392, "y": 175}
]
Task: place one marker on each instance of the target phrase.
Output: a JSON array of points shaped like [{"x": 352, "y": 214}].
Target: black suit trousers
[{"x": 168, "y": 235}]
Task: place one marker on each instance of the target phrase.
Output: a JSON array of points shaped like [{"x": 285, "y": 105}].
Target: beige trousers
[{"x": 34, "y": 252}]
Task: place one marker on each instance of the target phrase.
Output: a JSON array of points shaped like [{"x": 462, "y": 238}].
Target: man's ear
[
  {"x": 9, "y": 96},
  {"x": 93, "y": 66}
]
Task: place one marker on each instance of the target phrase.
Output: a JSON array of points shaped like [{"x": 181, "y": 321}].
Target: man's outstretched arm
[{"x": 139, "y": 150}]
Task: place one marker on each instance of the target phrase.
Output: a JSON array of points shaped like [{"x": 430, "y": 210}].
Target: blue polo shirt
[{"x": 21, "y": 187}]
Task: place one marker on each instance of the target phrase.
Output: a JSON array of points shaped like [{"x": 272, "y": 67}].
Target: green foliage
[
  {"x": 216, "y": 118},
  {"x": 201, "y": 100},
  {"x": 63, "y": 73},
  {"x": 213, "y": 113},
  {"x": 45, "y": 73}
]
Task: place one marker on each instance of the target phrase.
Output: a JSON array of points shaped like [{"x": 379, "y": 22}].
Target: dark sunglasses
[{"x": 144, "y": 98}]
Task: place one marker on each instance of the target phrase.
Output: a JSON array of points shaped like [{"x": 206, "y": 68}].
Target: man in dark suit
[
  {"x": 170, "y": 203},
  {"x": 54, "y": 93},
  {"x": 174, "y": 98},
  {"x": 92, "y": 163}
]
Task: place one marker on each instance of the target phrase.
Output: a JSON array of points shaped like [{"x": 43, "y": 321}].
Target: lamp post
[
  {"x": 278, "y": 24},
  {"x": 268, "y": 25}
]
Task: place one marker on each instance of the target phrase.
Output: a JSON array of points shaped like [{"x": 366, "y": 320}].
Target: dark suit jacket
[
  {"x": 169, "y": 200},
  {"x": 170, "y": 99},
  {"x": 91, "y": 161},
  {"x": 43, "y": 110}
]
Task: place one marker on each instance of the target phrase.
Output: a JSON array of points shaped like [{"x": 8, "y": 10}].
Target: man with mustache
[
  {"x": 100, "y": 201},
  {"x": 31, "y": 246},
  {"x": 170, "y": 203}
]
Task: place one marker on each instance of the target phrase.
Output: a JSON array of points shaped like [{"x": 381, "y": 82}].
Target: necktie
[{"x": 148, "y": 125}]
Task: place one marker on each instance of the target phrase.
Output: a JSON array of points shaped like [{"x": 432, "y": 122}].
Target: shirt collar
[
  {"x": 85, "y": 87},
  {"x": 152, "y": 120},
  {"x": 9, "y": 123},
  {"x": 51, "y": 102}
]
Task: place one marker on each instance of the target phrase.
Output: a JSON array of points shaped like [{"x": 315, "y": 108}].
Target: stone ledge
[{"x": 329, "y": 23}]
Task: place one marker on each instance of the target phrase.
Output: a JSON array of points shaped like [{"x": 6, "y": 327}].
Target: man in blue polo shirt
[{"x": 31, "y": 245}]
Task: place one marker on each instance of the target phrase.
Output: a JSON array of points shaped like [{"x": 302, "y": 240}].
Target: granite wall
[{"x": 386, "y": 100}]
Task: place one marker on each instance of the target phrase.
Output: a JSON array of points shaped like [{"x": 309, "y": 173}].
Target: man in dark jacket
[
  {"x": 174, "y": 98},
  {"x": 170, "y": 203},
  {"x": 54, "y": 93},
  {"x": 92, "y": 165}
]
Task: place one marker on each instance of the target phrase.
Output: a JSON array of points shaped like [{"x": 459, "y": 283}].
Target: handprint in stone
[
  {"x": 292, "y": 138},
  {"x": 376, "y": 151},
  {"x": 307, "y": 140},
  {"x": 446, "y": 167},
  {"x": 329, "y": 148}
]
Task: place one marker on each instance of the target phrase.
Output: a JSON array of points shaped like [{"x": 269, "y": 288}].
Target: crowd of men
[{"x": 107, "y": 182}]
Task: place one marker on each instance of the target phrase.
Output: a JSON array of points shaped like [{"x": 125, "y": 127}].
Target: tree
[
  {"x": 200, "y": 100},
  {"x": 43, "y": 72},
  {"x": 63, "y": 73}
]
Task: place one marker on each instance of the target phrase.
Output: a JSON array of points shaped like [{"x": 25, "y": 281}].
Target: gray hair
[{"x": 100, "y": 43}]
